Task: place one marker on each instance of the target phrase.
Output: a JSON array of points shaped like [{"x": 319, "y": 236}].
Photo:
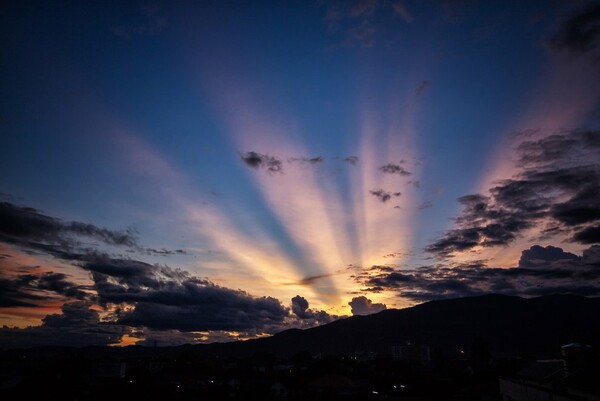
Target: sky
[{"x": 188, "y": 172}]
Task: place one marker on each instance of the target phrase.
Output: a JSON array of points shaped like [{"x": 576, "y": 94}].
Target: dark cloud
[
  {"x": 257, "y": 161},
  {"x": 203, "y": 307},
  {"x": 309, "y": 317},
  {"x": 77, "y": 325},
  {"x": 353, "y": 160},
  {"x": 307, "y": 161},
  {"x": 12, "y": 294},
  {"x": 591, "y": 256},
  {"x": 580, "y": 34},
  {"x": 588, "y": 235},
  {"x": 391, "y": 168},
  {"x": 168, "y": 338},
  {"x": 541, "y": 271},
  {"x": 538, "y": 256},
  {"x": 165, "y": 252},
  {"x": 558, "y": 186},
  {"x": 274, "y": 164},
  {"x": 28, "y": 228},
  {"x": 383, "y": 195},
  {"x": 312, "y": 279},
  {"x": 31, "y": 290},
  {"x": 364, "y": 306},
  {"x": 300, "y": 307},
  {"x": 166, "y": 298}
]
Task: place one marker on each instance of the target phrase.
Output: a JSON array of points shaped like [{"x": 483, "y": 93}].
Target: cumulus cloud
[
  {"x": 539, "y": 256},
  {"x": 557, "y": 187},
  {"x": 364, "y": 306},
  {"x": 541, "y": 271},
  {"x": 307, "y": 317}
]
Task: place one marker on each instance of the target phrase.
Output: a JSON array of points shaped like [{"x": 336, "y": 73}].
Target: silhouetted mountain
[{"x": 504, "y": 325}]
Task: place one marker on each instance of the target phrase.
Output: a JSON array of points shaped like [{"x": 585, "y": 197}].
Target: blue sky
[{"x": 289, "y": 148}]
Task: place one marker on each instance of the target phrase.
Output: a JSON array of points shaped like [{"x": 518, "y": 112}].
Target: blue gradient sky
[{"x": 134, "y": 115}]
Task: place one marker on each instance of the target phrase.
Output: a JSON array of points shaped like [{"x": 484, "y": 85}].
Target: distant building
[
  {"x": 109, "y": 369},
  {"x": 574, "y": 378},
  {"x": 412, "y": 353}
]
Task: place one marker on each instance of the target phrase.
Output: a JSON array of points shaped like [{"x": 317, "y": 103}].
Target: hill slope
[{"x": 506, "y": 325}]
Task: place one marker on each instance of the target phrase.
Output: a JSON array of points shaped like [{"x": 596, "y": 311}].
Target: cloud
[
  {"x": 391, "y": 168},
  {"x": 312, "y": 279},
  {"x": 167, "y": 338},
  {"x": 588, "y": 235},
  {"x": 164, "y": 252},
  {"x": 165, "y": 298},
  {"x": 77, "y": 325},
  {"x": 353, "y": 160},
  {"x": 557, "y": 186},
  {"x": 315, "y": 160},
  {"x": 580, "y": 34},
  {"x": 264, "y": 161},
  {"x": 308, "y": 317},
  {"x": 300, "y": 306},
  {"x": 136, "y": 297},
  {"x": 541, "y": 271},
  {"x": 307, "y": 161},
  {"x": 538, "y": 256},
  {"x": 28, "y": 228},
  {"x": 364, "y": 306},
  {"x": 383, "y": 195},
  {"x": 32, "y": 290},
  {"x": 12, "y": 294}
]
